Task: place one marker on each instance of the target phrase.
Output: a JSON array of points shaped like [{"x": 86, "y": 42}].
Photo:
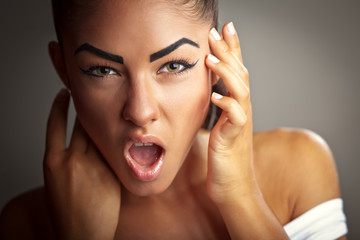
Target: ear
[{"x": 58, "y": 62}]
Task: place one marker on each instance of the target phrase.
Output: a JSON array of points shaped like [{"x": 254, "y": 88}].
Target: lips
[{"x": 144, "y": 155}]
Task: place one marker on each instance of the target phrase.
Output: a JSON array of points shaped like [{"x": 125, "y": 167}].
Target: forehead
[{"x": 137, "y": 23}]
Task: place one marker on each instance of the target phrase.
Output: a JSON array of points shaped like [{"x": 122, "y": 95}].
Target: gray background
[{"x": 303, "y": 59}]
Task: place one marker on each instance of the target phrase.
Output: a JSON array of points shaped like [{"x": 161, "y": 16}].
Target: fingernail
[
  {"x": 213, "y": 59},
  {"x": 215, "y": 34},
  {"x": 217, "y": 96},
  {"x": 230, "y": 27}
]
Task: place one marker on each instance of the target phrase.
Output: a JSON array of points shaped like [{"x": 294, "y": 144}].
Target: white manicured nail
[
  {"x": 217, "y": 96},
  {"x": 215, "y": 34},
  {"x": 230, "y": 27},
  {"x": 213, "y": 59}
]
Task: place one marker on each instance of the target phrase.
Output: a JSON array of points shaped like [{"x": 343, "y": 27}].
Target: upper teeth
[{"x": 143, "y": 144}]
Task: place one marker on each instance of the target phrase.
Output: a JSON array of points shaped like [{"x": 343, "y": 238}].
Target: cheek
[
  {"x": 191, "y": 101},
  {"x": 197, "y": 104},
  {"x": 96, "y": 110}
]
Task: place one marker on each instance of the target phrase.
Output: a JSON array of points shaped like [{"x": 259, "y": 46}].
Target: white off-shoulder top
[{"x": 325, "y": 221}]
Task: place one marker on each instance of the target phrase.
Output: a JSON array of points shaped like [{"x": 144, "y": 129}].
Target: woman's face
[{"x": 140, "y": 86}]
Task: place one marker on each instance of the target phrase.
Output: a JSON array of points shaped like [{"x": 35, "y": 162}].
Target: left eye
[
  {"x": 100, "y": 71},
  {"x": 104, "y": 71},
  {"x": 172, "y": 67}
]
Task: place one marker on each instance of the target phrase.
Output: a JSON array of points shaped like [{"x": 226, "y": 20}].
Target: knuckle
[
  {"x": 246, "y": 72},
  {"x": 233, "y": 104},
  {"x": 73, "y": 162},
  {"x": 227, "y": 50},
  {"x": 240, "y": 118},
  {"x": 243, "y": 119},
  {"x": 244, "y": 91},
  {"x": 51, "y": 162},
  {"x": 236, "y": 56},
  {"x": 74, "y": 167},
  {"x": 48, "y": 168},
  {"x": 246, "y": 94},
  {"x": 237, "y": 46},
  {"x": 223, "y": 70}
]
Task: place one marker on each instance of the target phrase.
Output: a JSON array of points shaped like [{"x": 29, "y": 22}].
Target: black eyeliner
[
  {"x": 187, "y": 66},
  {"x": 89, "y": 71}
]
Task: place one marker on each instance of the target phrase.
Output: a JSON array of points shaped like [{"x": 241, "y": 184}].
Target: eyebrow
[
  {"x": 171, "y": 48},
  {"x": 98, "y": 52}
]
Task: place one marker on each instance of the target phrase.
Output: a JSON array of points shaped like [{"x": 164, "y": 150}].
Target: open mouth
[
  {"x": 145, "y": 158},
  {"x": 145, "y": 154}
]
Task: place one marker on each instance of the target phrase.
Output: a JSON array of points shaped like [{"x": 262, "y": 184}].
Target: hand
[
  {"x": 231, "y": 181},
  {"x": 230, "y": 156},
  {"x": 83, "y": 193}
]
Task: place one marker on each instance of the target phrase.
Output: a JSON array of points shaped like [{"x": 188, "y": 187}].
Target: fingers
[
  {"x": 56, "y": 126},
  {"x": 227, "y": 49},
  {"x": 235, "y": 113},
  {"x": 233, "y": 82},
  {"x": 227, "y": 64},
  {"x": 231, "y": 38}
]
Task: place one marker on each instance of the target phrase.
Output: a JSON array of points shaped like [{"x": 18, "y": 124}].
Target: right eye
[{"x": 100, "y": 71}]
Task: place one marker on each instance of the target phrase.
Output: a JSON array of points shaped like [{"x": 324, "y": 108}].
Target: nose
[{"x": 141, "y": 106}]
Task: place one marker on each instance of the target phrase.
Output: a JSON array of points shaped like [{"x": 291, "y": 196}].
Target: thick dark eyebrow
[
  {"x": 100, "y": 53},
  {"x": 171, "y": 48}
]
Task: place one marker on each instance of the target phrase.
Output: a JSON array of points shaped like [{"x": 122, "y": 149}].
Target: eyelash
[
  {"x": 184, "y": 62},
  {"x": 95, "y": 67}
]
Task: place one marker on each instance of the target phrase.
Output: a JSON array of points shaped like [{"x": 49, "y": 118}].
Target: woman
[{"x": 139, "y": 165}]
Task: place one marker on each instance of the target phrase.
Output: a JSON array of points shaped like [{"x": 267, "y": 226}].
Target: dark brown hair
[{"x": 65, "y": 11}]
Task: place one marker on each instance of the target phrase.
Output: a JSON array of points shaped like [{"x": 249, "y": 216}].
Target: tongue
[{"x": 145, "y": 155}]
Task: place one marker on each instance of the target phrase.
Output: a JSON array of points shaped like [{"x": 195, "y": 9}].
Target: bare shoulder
[
  {"x": 298, "y": 165},
  {"x": 26, "y": 217}
]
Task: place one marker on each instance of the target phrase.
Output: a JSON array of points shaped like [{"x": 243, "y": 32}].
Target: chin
[{"x": 146, "y": 189}]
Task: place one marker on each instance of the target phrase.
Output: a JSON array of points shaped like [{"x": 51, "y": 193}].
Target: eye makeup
[
  {"x": 172, "y": 67},
  {"x": 176, "y": 66},
  {"x": 119, "y": 59},
  {"x": 171, "y": 48},
  {"x": 100, "y": 53},
  {"x": 100, "y": 71}
]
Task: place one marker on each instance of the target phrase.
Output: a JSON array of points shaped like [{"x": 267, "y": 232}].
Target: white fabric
[{"x": 325, "y": 221}]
